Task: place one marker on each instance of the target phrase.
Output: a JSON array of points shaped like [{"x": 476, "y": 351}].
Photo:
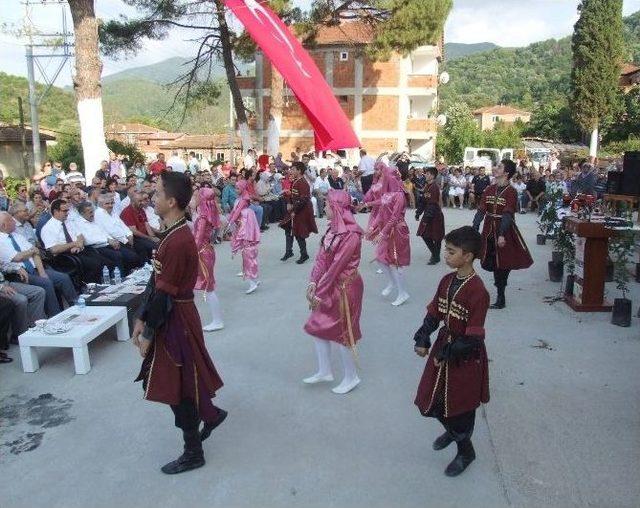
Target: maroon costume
[
  {"x": 177, "y": 370},
  {"x": 299, "y": 221},
  {"x": 431, "y": 227},
  {"x": 515, "y": 254},
  {"x": 457, "y": 385}
]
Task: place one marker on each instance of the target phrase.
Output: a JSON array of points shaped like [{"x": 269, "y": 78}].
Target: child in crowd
[{"x": 456, "y": 378}]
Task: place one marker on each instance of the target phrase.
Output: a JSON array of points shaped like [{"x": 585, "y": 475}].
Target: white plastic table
[{"x": 78, "y": 337}]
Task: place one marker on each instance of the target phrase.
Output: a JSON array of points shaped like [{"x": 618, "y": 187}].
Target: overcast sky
[{"x": 504, "y": 22}]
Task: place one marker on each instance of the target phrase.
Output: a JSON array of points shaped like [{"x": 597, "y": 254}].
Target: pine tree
[{"x": 598, "y": 50}]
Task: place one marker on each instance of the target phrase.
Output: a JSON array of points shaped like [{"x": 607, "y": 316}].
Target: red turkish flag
[{"x": 332, "y": 130}]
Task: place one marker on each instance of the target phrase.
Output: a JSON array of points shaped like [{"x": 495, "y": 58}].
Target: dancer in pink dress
[
  {"x": 207, "y": 221},
  {"x": 246, "y": 238},
  {"x": 391, "y": 233},
  {"x": 335, "y": 293},
  {"x": 372, "y": 200}
]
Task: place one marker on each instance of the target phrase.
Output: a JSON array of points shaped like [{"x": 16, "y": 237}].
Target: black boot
[
  {"x": 288, "y": 253},
  {"x": 500, "y": 300},
  {"x": 302, "y": 243},
  {"x": 208, "y": 428},
  {"x": 443, "y": 441},
  {"x": 192, "y": 458},
  {"x": 465, "y": 456}
]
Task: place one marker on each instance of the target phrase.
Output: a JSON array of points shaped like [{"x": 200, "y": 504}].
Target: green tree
[
  {"x": 68, "y": 149},
  {"x": 460, "y": 131},
  {"x": 553, "y": 120},
  {"x": 503, "y": 135},
  {"x": 128, "y": 149},
  {"x": 598, "y": 51},
  {"x": 628, "y": 121}
]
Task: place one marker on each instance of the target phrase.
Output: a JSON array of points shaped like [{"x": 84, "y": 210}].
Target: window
[
  {"x": 344, "y": 56},
  {"x": 343, "y": 99},
  {"x": 496, "y": 118},
  {"x": 219, "y": 156}
]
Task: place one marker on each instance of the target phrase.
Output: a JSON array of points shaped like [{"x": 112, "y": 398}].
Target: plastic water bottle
[
  {"x": 106, "y": 279},
  {"x": 117, "y": 278},
  {"x": 81, "y": 304}
]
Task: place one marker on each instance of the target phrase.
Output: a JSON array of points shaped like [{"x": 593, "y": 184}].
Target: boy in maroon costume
[
  {"x": 456, "y": 378},
  {"x": 431, "y": 228},
  {"x": 177, "y": 369},
  {"x": 299, "y": 221},
  {"x": 503, "y": 248}
]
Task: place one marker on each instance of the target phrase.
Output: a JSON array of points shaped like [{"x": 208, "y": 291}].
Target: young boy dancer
[
  {"x": 299, "y": 221},
  {"x": 207, "y": 221},
  {"x": 456, "y": 378},
  {"x": 335, "y": 293},
  {"x": 431, "y": 227},
  {"x": 177, "y": 369},
  {"x": 503, "y": 248},
  {"x": 390, "y": 231}
]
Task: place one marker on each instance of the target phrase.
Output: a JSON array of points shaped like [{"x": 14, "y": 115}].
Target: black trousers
[
  {"x": 6, "y": 312},
  {"x": 366, "y": 182},
  {"x": 124, "y": 258},
  {"x": 302, "y": 242},
  {"x": 186, "y": 415},
  {"x": 144, "y": 248},
  {"x": 433, "y": 246},
  {"x": 500, "y": 278},
  {"x": 460, "y": 426}
]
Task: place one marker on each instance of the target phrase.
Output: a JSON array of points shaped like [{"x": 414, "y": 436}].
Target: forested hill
[{"x": 522, "y": 77}]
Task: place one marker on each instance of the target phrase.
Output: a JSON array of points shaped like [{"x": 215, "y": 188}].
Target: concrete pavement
[{"x": 561, "y": 429}]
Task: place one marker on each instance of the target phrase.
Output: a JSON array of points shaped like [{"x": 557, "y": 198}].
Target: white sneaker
[
  {"x": 402, "y": 297},
  {"x": 379, "y": 270},
  {"x": 346, "y": 386},
  {"x": 252, "y": 287},
  {"x": 240, "y": 274},
  {"x": 387, "y": 291},
  {"x": 213, "y": 327},
  {"x": 317, "y": 378}
]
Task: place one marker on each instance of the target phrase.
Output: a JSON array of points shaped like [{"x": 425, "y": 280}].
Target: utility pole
[
  {"x": 23, "y": 139},
  {"x": 33, "y": 103},
  {"x": 59, "y": 46}
]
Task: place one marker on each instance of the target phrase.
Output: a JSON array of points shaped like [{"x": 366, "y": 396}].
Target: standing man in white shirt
[
  {"x": 60, "y": 236},
  {"x": 14, "y": 248},
  {"x": 250, "y": 159},
  {"x": 320, "y": 190},
  {"x": 108, "y": 247},
  {"x": 177, "y": 163},
  {"x": 366, "y": 170},
  {"x": 193, "y": 165}
]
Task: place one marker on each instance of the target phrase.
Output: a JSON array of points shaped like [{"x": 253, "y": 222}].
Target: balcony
[
  {"x": 422, "y": 125},
  {"x": 422, "y": 81}
]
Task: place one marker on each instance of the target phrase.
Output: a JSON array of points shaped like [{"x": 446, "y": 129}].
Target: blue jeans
[{"x": 56, "y": 281}]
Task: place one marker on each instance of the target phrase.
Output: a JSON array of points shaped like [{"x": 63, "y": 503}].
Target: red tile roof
[
  {"x": 500, "y": 110},
  {"x": 346, "y": 33},
  {"x": 629, "y": 68},
  {"x": 131, "y": 128},
  {"x": 202, "y": 141}
]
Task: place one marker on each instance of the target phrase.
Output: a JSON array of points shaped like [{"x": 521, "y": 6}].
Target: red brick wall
[
  {"x": 382, "y": 73},
  {"x": 379, "y": 112},
  {"x": 344, "y": 73},
  {"x": 375, "y": 146}
]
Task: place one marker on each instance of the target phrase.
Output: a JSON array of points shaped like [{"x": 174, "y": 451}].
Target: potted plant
[
  {"x": 548, "y": 222},
  {"x": 621, "y": 248},
  {"x": 565, "y": 253}
]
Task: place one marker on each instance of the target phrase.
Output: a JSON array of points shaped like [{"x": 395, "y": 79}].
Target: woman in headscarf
[
  {"x": 391, "y": 234},
  {"x": 335, "y": 293},
  {"x": 246, "y": 236},
  {"x": 372, "y": 200},
  {"x": 206, "y": 222}
]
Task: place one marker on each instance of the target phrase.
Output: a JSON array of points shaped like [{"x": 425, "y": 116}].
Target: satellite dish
[
  {"x": 442, "y": 120},
  {"x": 444, "y": 78}
]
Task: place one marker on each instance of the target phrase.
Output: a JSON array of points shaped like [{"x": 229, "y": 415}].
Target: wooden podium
[{"x": 592, "y": 241}]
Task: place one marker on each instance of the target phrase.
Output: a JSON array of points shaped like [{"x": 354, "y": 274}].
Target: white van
[{"x": 485, "y": 157}]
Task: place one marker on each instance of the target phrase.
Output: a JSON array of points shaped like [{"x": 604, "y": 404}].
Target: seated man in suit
[
  {"x": 62, "y": 237},
  {"x": 14, "y": 248}
]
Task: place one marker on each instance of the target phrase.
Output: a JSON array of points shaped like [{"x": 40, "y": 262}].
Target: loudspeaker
[
  {"x": 614, "y": 182},
  {"x": 630, "y": 184}
]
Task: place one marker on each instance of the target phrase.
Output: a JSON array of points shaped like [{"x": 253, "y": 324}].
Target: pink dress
[
  {"x": 394, "y": 248},
  {"x": 203, "y": 230},
  {"x": 339, "y": 286},
  {"x": 207, "y": 220},
  {"x": 372, "y": 199},
  {"x": 246, "y": 239}
]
